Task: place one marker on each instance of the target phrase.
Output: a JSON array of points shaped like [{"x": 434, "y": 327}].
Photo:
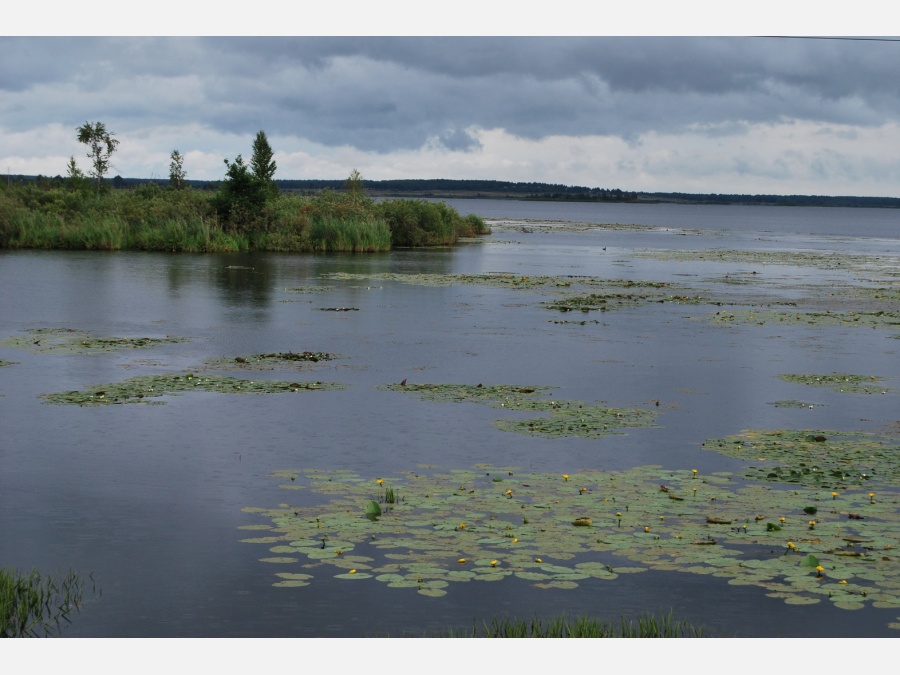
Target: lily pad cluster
[
  {"x": 832, "y": 460},
  {"x": 828, "y": 261},
  {"x": 279, "y": 360},
  {"x": 139, "y": 389},
  {"x": 763, "y": 316},
  {"x": 560, "y": 417},
  {"x": 72, "y": 341},
  {"x": 557, "y": 530},
  {"x": 840, "y": 382},
  {"x": 603, "y": 302}
]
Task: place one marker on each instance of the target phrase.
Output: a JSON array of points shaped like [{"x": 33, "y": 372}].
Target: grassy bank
[{"x": 151, "y": 218}]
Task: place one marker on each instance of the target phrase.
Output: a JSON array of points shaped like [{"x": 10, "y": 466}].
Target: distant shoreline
[{"x": 523, "y": 191}]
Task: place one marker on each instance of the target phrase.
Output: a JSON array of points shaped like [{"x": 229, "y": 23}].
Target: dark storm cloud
[{"x": 382, "y": 94}]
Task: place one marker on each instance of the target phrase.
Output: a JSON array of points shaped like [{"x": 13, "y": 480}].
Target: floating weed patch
[
  {"x": 841, "y": 382},
  {"x": 498, "y": 394},
  {"x": 138, "y": 389},
  {"x": 603, "y": 302},
  {"x": 309, "y": 289},
  {"x": 828, "y": 261},
  {"x": 833, "y": 460},
  {"x": 71, "y": 341},
  {"x": 653, "y": 290},
  {"x": 557, "y": 530},
  {"x": 791, "y": 403},
  {"x": 572, "y": 418},
  {"x": 278, "y": 360},
  {"x": 7, "y": 363},
  {"x": 563, "y": 418},
  {"x": 762, "y": 317}
]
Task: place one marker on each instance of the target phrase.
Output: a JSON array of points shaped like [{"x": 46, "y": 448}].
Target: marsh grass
[
  {"x": 644, "y": 626},
  {"x": 152, "y": 218},
  {"x": 32, "y": 605},
  {"x": 351, "y": 235}
]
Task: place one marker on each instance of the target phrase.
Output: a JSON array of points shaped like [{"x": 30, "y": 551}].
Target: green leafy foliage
[{"x": 460, "y": 526}]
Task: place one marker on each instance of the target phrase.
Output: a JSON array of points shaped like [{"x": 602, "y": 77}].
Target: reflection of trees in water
[{"x": 253, "y": 281}]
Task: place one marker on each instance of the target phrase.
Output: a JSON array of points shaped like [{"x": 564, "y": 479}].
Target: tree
[
  {"x": 262, "y": 162},
  {"x": 242, "y": 195},
  {"x": 354, "y": 184},
  {"x": 102, "y": 145},
  {"x": 177, "y": 174},
  {"x": 74, "y": 175}
]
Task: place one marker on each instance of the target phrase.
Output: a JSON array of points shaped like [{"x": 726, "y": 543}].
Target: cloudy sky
[{"x": 746, "y": 115}]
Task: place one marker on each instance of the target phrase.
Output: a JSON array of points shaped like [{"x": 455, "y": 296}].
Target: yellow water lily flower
[
  {"x": 781, "y": 520},
  {"x": 791, "y": 545},
  {"x": 494, "y": 563},
  {"x": 509, "y": 492},
  {"x": 834, "y": 495},
  {"x": 820, "y": 569},
  {"x": 694, "y": 472},
  {"x": 647, "y": 529},
  {"x": 842, "y": 581},
  {"x": 538, "y": 560},
  {"x": 380, "y": 481},
  {"x": 339, "y": 552},
  {"x": 352, "y": 572},
  {"x": 462, "y": 526},
  {"x": 515, "y": 540},
  {"x": 462, "y": 561},
  {"x": 565, "y": 476}
]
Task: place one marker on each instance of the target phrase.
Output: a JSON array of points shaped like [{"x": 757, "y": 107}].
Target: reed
[
  {"x": 32, "y": 605},
  {"x": 645, "y": 626},
  {"x": 153, "y": 218}
]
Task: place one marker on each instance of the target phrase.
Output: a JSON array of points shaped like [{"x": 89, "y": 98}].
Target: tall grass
[
  {"x": 32, "y": 605},
  {"x": 645, "y": 626},
  {"x": 153, "y": 218},
  {"x": 357, "y": 236}
]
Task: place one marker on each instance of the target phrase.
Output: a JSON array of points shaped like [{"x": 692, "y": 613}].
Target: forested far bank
[{"x": 496, "y": 189}]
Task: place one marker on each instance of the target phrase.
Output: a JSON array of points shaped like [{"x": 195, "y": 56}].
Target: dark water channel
[{"x": 148, "y": 499}]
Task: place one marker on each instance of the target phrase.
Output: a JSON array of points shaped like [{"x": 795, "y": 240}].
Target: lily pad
[
  {"x": 138, "y": 389},
  {"x": 72, "y": 341},
  {"x": 720, "y": 529}
]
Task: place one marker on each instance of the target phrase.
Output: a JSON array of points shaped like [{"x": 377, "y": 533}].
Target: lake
[{"x": 654, "y": 329}]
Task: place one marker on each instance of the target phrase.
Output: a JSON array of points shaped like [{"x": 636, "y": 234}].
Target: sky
[{"x": 704, "y": 114}]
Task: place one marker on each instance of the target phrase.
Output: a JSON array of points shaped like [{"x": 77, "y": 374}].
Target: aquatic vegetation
[
  {"x": 72, "y": 341},
  {"x": 792, "y": 403},
  {"x": 645, "y": 626},
  {"x": 525, "y": 527},
  {"x": 305, "y": 290},
  {"x": 563, "y": 418},
  {"x": 604, "y": 302},
  {"x": 278, "y": 360},
  {"x": 505, "y": 280},
  {"x": 853, "y": 319},
  {"x": 828, "y": 261},
  {"x": 138, "y": 389},
  {"x": 841, "y": 382},
  {"x": 6, "y": 363},
  {"x": 830, "y": 459},
  {"x": 33, "y": 605}
]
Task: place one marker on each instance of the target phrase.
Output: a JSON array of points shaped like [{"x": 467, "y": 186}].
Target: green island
[{"x": 246, "y": 211}]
